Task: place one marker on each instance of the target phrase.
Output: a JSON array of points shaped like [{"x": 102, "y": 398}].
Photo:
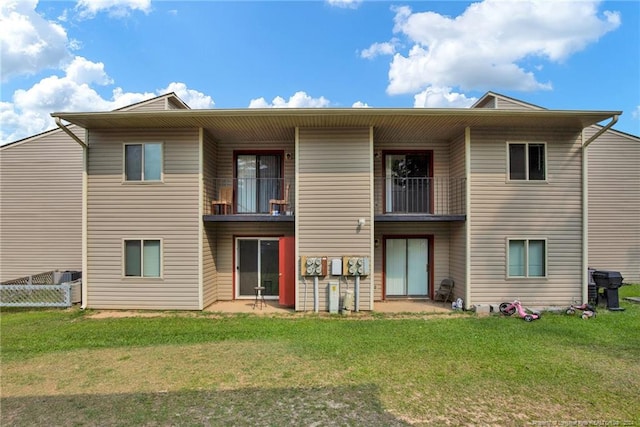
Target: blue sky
[{"x": 103, "y": 54}]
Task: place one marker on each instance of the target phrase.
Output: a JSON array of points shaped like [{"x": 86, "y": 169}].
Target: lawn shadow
[{"x": 322, "y": 406}]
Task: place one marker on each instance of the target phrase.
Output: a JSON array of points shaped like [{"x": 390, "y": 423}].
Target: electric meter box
[
  {"x": 334, "y": 297},
  {"x": 336, "y": 267},
  {"x": 355, "y": 266},
  {"x": 313, "y": 266}
]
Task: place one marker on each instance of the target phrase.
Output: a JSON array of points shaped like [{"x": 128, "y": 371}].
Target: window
[
  {"x": 527, "y": 258},
  {"x": 143, "y": 162},
  {"x": 142, "y": 258},
  {"x": 527, "y": 162},
  {"x": 259, "y": 179}
]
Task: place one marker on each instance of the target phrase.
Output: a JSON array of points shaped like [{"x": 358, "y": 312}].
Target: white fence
[{"x": 50, "y": 289}]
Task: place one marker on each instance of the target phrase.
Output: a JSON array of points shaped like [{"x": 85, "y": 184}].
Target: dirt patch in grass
[{"x": 362, "y": 315}]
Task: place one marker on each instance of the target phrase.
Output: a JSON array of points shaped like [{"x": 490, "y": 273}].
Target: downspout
[
  {"x": 371, "y": 220},
  {"x": 585, "y": 207},
  {"x": 613, "y": 121},
  {"x": 467, "y": 254},
  {"x": 201, "y": 227},
  {"x": 68, "y": 132},
  {"x": 296, "y": 227},
  {"x": 84, "y": 207}
]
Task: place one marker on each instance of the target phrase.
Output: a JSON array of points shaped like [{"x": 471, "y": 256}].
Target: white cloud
[
  {"x": 441, "y": 97},
  {"x": 376, "y": 49},
  {"x": 345, "y": 4},
  {"x": 28, "y": 42},
  {"x": 29, "y": 113},
  {"x": 298, "y": 100},
  {"x": 192, "y": 98},
  {"x": 360, "y": 104},
  {"x": 483, "y": 48},
  {"x": 636, "y": 113},
  {"x": 115, "y": 8},
  {"x": 82, "y": 70}
]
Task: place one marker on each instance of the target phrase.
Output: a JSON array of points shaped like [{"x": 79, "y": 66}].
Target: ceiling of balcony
[{"x": 388, "y": 124}]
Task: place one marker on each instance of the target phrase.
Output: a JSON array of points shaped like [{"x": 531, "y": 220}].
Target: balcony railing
[
  {"x": 253, "y": 195},
  {"x": 431, "y": 196},
  {"x": 394, "y": 196}
]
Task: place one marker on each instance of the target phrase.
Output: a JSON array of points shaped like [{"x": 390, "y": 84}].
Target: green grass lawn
[{"x": 64, "y": 368}]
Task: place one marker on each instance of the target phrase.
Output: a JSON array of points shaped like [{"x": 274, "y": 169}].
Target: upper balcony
[
  {"x": 396, "y": 199},
  {"x": 251, "y": 199},
  {"x": 420, "y": 199}
]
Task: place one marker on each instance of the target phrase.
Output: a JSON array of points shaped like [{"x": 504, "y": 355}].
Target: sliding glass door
[
  {"x": 407, "y": 267},
  {"x": 257, "y": 264},
  {"x": 259, "y": 179}
]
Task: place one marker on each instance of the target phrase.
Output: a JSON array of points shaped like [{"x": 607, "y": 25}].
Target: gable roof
[
  {"x": 497, "y": 97},
  {"x": 170, "y": 98}
]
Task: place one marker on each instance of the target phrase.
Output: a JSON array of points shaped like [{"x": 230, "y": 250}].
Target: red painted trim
[
  {"x": 384, "y": 174},
  {"x": 431, "y": 259}
]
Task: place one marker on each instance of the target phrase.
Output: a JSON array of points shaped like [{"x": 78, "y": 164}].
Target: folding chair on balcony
[
  {"x": 445, "y": 291},
  {"x": 224, "y": 202}
]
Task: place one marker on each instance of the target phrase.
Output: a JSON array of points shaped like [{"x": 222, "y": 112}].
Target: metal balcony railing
[
  {"x": 428, "y": 196},
  {"x": 431, "y": 196},
  {"x": 254, "y": 195}
]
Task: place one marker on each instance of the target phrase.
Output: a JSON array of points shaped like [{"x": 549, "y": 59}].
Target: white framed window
[
  {"x": 142, "y": 257},
  {"x": 143, "y": 162},
  {"x": 526, "y": 258},
  {"x": 527, "y": 161}
]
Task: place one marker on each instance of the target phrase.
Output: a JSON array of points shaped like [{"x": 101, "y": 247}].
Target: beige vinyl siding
[
  {"x": 458, "y": 236},
  {"x": 614, "y": 203},
  {"x": 173, "y": 104},
  {"x": 488, "y": 102},
  {"x": 167, "y": 211},
  {"x": 441, "y": 247},
  {"x": 508, "y": 104},
  {"x": 41, "y": 205},
  {"x": 334, "y": 191},
  {"x": 536, "y": 210},
  {"x": 159, "y": 104},
  {"x": 224, "y": 235},
  {"x": 500, "y": 102},
  {"x": 210, "y": 274}
]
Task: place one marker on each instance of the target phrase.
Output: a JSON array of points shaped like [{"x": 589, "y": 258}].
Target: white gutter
[
  {"x": 585, "y": 207},
  {"x": 85, "y": 279}
]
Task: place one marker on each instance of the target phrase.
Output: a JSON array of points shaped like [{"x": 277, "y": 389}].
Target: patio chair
[
  {"x": 224, "y": 202},
  {"x": 445, "y": 291},
  {"x": 280, "y": 202}
]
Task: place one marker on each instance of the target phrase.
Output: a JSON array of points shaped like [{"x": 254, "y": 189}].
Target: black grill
[{"x": 608, "y": 282}]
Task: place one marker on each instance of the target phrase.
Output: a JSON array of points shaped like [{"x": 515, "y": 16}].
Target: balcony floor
[
  {"x": 401, "y": 217},
  {"x": 248, "y": 218}
]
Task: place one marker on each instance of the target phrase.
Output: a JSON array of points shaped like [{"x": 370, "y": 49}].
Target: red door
[{"x": 287, "y": 269}]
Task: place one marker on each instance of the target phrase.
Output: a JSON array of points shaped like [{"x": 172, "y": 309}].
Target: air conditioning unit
[
  {"x": 355, "y": 266},
  {"x": 313, "y": 266}
]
